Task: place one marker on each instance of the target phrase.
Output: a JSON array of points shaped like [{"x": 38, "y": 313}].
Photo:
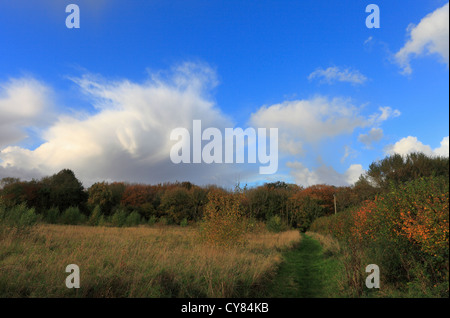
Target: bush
[
  {"x": 184, "y": 222},
  {"x": 101, "y": 221},
  {"x": 28, "y": 218},
  {"x": 163, "y": 221},
  {"x": 96, "y": 214},
  {"x": 52, "y": 215},
  {"x": 274, "y": 224},
  {"x": 223, "y": 223},
  {"x": 72, "y": 216},
  {"x": 18, "y": 216},
  {"x": 133, "y": 219},
  {"x": 119, "y": 218},
  {"x": 411, "y": 221},
  {"x": 151, "y": 220}
]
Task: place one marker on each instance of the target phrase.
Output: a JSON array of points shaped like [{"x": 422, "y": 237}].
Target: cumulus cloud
[
  {"x": 310, "y": 121},
  {"x": 24, "y": 102},
  {"x": 324, "y": 174},
  {"x": 128, "y": 138},
  {"x": 374, "y": 135},
  {"x": 335, "y": 74},
  {"x": 430, "y": 36},
  {"x": 411, "y": 144}
]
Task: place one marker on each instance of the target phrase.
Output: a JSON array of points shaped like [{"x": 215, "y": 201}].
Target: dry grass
[
  {"x": 135, "y": 262},
  {"x": 329, "y": 244}
]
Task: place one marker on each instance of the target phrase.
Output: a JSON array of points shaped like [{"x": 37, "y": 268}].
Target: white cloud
[
  {"x": 385, "y": 114},
  {"x": 430, "y": 36},
  {"x": 24, "y": 103},
  {"x": 348, "y": 153},
  {"x": 368, "y": 40},
  {"x": 324, "y": 174},
  {"x": 443, "y": 150},
  {"x": 129, "y": 136},
  {"x": 411, "y": 144},
  {"x": 374, "y": 135},
  {"x": 335, "y": 74},
  {"x": 310, "y": 121}
]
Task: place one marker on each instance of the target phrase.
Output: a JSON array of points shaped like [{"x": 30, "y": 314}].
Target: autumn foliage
[
  {"x": 223, "y": 223},
  {"x": 405, "y": 231}
]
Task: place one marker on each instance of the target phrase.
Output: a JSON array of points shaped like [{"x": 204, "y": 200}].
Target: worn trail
[{"x": 302, "y": 273}]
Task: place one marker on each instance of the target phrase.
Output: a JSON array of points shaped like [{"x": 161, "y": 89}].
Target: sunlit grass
[{"x": 136, "y": 262}]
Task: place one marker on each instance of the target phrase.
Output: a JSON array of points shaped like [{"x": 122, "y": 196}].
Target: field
[{"x": 158, "y": 261}]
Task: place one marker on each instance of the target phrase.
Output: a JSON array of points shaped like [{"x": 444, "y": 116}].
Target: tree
[
  {"x": 309, "y": 209},
  {"x": 322, "y": 194},
  {"x": 100, "y": 195},
  {"x": 7, "y": 181},
  {"x": 63, "y": 190},
  {"x": 178, "y": 204},
  {"x": 397, "y": 169}
]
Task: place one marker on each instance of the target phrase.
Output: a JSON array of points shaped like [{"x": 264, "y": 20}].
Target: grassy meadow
[{"x": 158, "y": 261}]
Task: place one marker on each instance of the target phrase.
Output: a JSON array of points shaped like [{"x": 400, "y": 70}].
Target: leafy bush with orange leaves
[
  {"x": 223, "y": 222},
  {"x": 405, "y": 232}
]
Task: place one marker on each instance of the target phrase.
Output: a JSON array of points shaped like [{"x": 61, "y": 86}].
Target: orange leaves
[
  {"x": 136, "y": 195},
  {"x": 321, "y": 193},
  {"x": 414, "y": 215}
]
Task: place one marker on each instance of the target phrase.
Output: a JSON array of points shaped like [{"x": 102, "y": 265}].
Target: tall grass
[{"x": 161, "y": 261}]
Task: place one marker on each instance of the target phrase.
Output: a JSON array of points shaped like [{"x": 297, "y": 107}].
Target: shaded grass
[
  {"x": 136, "y": 262},
  {"x": 307, "y": 272}
]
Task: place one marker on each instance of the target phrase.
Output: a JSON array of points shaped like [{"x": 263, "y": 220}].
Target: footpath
[{"x": 302, "y": 273}]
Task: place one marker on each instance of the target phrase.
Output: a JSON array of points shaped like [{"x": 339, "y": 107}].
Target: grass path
[{"x": 305, "y": 273}]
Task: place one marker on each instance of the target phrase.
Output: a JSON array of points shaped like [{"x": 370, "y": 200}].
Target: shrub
[
  {"x": 96, "y": 214},
  {"x": 119, "y": 218},
  {"x": 184, "y": 222},
  {"x": 151, "y": 220},
  {"x": 28, "y": 218},
  {"x": 19, "y": 216},
  {"x": 72, "y": 216},
  {"x": 274, "y": 224},
  {"x": 133, "y": 219},
  {"x": 163, "y": 221},
  {"x": 411, "y": 221},
  {"x": 223, "y": 223},
  {"x": 101, "y": 221},
  {"x": 52, "y": 215}
]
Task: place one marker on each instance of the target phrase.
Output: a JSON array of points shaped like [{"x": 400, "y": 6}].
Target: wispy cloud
[
  {"x": 374, "y": 135},
  {"x": 335, "y": 74}
]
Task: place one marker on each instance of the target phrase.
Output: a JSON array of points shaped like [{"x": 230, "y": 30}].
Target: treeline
[{"x": 61, "y": 198}]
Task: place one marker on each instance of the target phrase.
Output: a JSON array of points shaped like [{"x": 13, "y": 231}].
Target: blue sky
[{"x": 101, "y": 99}]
